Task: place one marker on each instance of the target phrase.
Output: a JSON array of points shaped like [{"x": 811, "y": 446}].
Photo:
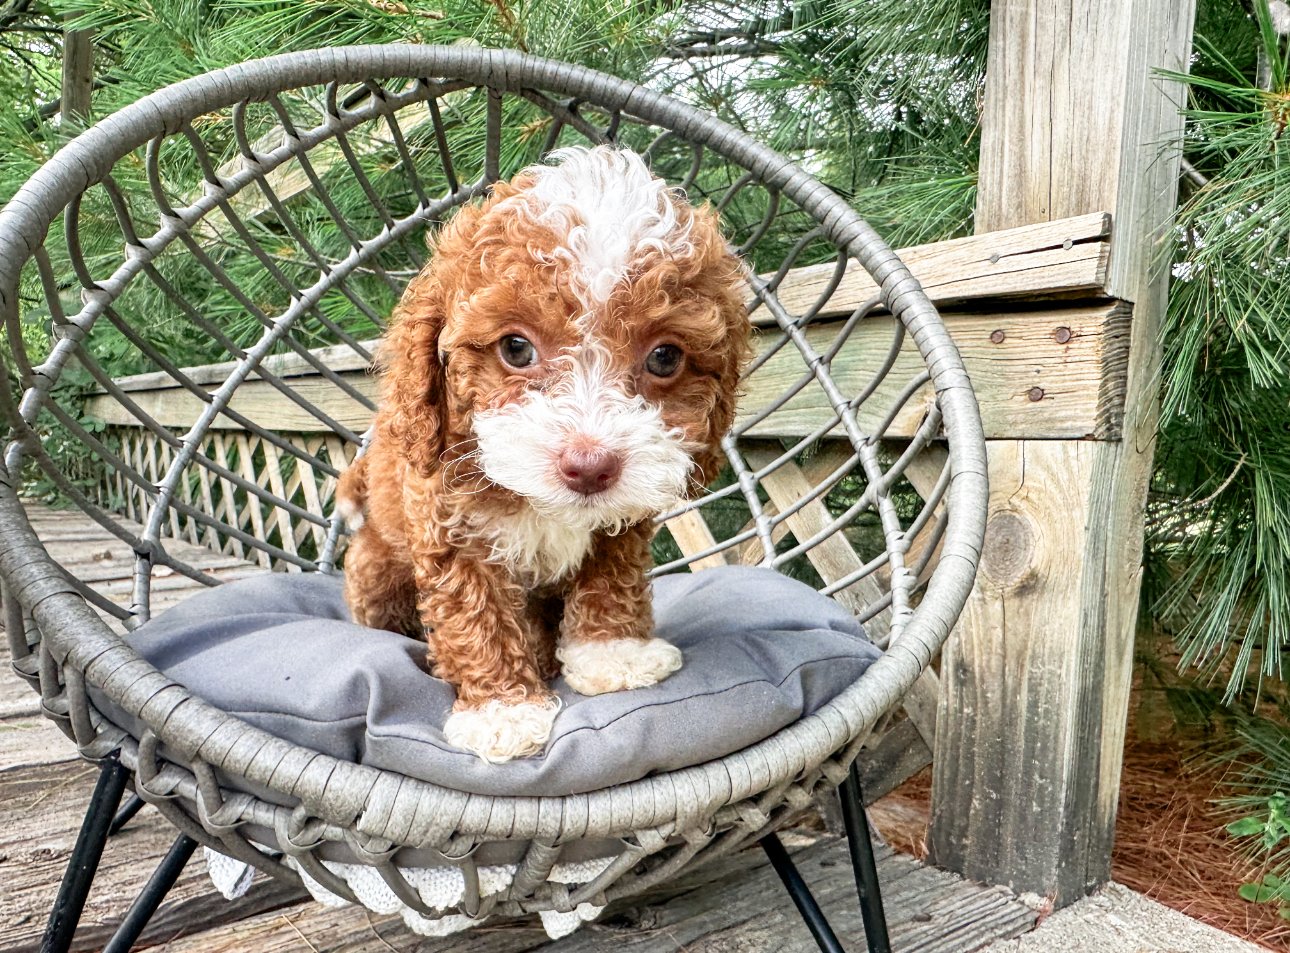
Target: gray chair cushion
[{"x": 279, "y": 651}]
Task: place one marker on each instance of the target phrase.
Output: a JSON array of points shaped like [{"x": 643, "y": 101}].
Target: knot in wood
[{"x": 1008, "y": 552}]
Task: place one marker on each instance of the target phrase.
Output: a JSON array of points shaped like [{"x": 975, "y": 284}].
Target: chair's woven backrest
[{"x": 265, "y": 235}]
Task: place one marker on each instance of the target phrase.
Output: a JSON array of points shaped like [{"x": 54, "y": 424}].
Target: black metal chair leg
[
  {"x": 85, "y": 858},
  {"x": 126, "y": 814},
  {"x": 810, "y": 911},
  {"x": 863, "y": 863},
  {"x": 149, "y": 899}
]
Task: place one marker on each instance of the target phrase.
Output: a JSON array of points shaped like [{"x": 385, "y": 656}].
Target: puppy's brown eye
[
  {"x": 516, "y": 351},
  {"x": 664, "y": 360}
]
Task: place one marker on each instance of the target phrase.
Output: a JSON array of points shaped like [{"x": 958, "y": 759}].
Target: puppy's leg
[
  {"x": 379, "y": 587},
  {"x": 351, "y": 494},
  {"x": 607, "y": 643},
  {"x": 545, "y": 613},
  {"x": 475, "y": 619}
]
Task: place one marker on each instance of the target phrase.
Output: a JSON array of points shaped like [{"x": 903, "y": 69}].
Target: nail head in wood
[
  {"x": 997, "y": 336},
  {"x": 1036, "y": 393},
  {"x": 1062, "y": 335}
]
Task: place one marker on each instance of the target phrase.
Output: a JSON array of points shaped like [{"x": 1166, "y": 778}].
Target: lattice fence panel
[{"x": 237, "y": 520}]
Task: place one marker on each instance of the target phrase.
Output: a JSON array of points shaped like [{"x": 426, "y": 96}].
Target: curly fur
[{"x": 465, "y": 532}]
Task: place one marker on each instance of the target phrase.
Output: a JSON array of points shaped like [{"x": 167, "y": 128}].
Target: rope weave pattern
[{"x": 247, "y": 170}]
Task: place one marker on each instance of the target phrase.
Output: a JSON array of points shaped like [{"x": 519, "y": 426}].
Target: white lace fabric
[{"x": 438, "y": 888}]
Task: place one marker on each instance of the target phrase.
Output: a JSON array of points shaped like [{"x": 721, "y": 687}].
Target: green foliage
[
  {"x": 1271, "y": 889},
  {"x": 1270, "y": 830},
  {"x": 1219, "y": 542},
  {"x": 1225, "y": 442},
  {"x": 1262, "y": 759}
]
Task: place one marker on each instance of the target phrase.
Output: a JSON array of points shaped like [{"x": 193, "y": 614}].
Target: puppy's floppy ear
[
  {"x": 725, "y": 285},
  {"x": 413, "y": 391}
]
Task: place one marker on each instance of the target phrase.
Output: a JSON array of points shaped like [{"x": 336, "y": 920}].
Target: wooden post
[{"x": 1035, "y": 682}]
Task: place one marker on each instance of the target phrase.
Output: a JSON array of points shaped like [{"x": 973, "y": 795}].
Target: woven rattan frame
[{"x": 308, "y": 804}]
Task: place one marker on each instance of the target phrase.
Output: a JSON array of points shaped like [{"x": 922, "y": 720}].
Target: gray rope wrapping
[{"x": 311, "y": 804}]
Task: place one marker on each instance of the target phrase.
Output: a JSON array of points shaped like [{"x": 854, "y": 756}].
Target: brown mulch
[
  {"x": 902, "y": 816},
  {"x": 1169, "y": 840},
  {"x": 1171, "y": 846}
]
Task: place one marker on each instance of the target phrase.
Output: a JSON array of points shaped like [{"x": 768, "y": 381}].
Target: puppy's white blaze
[
  {"x": 350, "y": 513},
  {"x": 593, "y": 668},
  {"x": 610, "y": 209},
  {"x": 520, "y": 446},
  {"x": 498, "y": 732}
]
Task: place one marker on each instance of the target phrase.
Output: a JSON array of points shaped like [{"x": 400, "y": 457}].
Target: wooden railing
[{"x": 1038, "y": 374}]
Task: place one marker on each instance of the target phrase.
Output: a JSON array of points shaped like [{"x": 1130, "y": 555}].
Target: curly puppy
[{"x": 560, "y": 373}]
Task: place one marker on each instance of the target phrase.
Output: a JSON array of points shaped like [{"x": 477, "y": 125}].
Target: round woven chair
[{"x": 856, "y": 464}]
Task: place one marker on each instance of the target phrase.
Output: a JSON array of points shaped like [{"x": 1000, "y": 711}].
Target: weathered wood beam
[
  {"x": 1044, "y": 374},
  {"x": 1035, "y": 680},
  {"x": 1038, "y": 374},
  {"x": 1063, "y": 259}
]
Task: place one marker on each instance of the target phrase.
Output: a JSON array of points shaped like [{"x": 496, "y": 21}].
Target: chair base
[
  {"x": 101, "y": 821},
  {"x": 126, "y": 814},
  {"x": 863, "y": 865}
]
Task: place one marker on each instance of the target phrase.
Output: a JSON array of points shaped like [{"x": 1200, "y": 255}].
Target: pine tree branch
[
  {"x": 34, "y": 28},
  {"x": 11, "y": 12},
  {"x": 751, "y": 29},
  {"x": 1201, "y": 504},
  {"x": 55, "y": 106},
  {"x": 510, "y": 24},
  {"x": 23, "y": 55},
  {"x": 750, "y": 48}
]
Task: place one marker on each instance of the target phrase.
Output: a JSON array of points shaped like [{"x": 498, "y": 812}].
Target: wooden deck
[{"x": 737, "y": 905}]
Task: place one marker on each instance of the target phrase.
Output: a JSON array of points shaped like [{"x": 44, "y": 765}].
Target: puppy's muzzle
[{"x": 589, "y": 470}]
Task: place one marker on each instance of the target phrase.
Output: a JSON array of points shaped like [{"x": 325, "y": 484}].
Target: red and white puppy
[{"x": 561, "y": 372}]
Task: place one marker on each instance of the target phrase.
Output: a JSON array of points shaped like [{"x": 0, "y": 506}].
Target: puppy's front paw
[
  {"x": 593, "y": 668},
  {"x": 498, "y": 732}
]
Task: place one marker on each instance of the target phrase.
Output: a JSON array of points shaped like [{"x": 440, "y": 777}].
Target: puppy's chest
[{"x": 538, "y": 550}]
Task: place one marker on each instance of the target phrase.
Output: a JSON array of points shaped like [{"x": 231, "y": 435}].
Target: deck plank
[{"x": 41, "y": 806}]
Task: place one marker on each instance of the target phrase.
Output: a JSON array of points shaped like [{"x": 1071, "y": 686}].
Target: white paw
[
  {"x": 593, "y": 668},
  {"x": 498, "y": 732}
]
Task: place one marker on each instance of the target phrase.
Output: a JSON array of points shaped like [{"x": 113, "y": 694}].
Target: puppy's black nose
[{"x": 589, "y": 471}]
